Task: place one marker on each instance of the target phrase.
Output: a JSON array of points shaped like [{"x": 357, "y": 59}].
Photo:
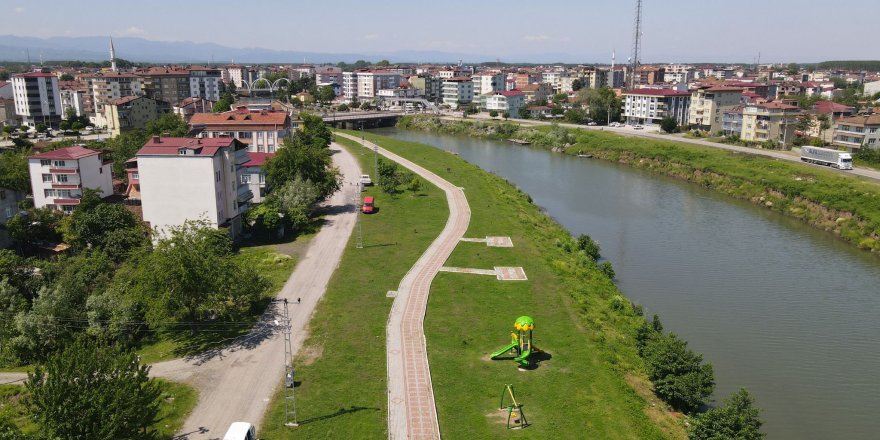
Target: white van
[{"x": 241, "y": 431}]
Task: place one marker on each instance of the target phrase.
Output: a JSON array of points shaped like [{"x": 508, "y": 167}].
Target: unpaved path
[{"x": 412, "y": 413}]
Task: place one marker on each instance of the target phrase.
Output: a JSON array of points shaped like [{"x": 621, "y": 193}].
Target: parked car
[
  {"x": 369, "y": 206},
  {"x": 241, "y": 431},
  {"x": 591, "y": 123},
  {"x": 365, "y": 180},
  {"x": 615, "y": 124}
]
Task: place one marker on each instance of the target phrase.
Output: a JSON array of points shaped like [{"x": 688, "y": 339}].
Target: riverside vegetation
[{"x": 845, "y": 206}]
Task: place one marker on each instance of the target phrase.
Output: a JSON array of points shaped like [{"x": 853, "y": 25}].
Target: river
[{"x": 777, "y": 307}]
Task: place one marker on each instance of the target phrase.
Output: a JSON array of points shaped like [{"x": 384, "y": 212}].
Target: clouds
[
  {"x": 18, "y": 10},
  {"x": 536, "y": 38},
  {"x": 134, "y": 30}
]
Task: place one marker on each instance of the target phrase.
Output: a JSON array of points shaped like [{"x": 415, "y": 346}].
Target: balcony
[
  {"x": 244, "y": 194},
  {"x": 55, "y": 170},
  {"x": 67, "y": 185}
]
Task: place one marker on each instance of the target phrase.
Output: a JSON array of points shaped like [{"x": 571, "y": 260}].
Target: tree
[
  {"x": 824, "y": 124},
  {"x": 124, "y": 147},
  {"x": 577, "y": 84},
  {"x": 14, "y": 172},
  {"x": 576, "y": 116},
  {"x": 389, "y": 176},
  {"x": 793, "y": 69},
  {"x": 414, "y": 185},
  {"x": 297, "y": 199},
  {"x": 342, "y": 108},
  {"x": 110, "y": 227},
  {"x": 679, "y": 375},
  {"x": 64, "y": 125},
  {"x": 506, "y": 115},
  {"x": 76, "y": 126},
  {"x": 600, "y": 102},
  {"x": 93, "y": 391},
  {"x": 589, "y": 246},
  {"x": 493, "y": 113},
  {"x": 171, "y": 124},
  {"x": 326, "y": 94},
  {"x": 35, "y": 226},
  {"x": 192, "y": 276},
  {"x": 737, "y": 419},
  {"x": 306, "y": 155},
  {"x": 66, "y": 77},
  {"x": 383, "y": 63},
  {"x": 669, "y": 124},
  {"x": 41, "y": 128}
]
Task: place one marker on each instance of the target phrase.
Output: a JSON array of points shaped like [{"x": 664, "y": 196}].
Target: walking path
[
  {"x": 238, "y": 383},
  {"x": 412, "y": 413}
]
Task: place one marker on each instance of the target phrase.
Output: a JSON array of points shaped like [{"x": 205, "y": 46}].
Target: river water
[{"x": 777, "y": 307}]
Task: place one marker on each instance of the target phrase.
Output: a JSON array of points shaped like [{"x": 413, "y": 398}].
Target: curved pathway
[
  {"x": 412, "y": 413},
  {"x": 238, "y": 382}
]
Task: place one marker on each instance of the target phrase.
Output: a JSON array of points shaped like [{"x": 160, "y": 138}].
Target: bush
[
  {"x": 669, "y": 125},
  {"x": 606, "y": 268},
  {"x": 493, "y": 113},
  {"x": 679, "y": 375},
  {"x": 589, "y": 246},
  {"x": 737, "y": 419}
]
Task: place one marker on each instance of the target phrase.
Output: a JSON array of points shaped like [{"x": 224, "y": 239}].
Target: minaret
[
  {"x": 612, "y": 58},
  {"x": 112, "y": 56}
]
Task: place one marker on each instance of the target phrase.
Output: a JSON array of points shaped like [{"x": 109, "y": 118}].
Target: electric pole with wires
[{"x": 289, "y": 373}]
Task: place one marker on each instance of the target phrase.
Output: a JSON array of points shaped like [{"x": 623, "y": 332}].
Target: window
[
  {"x": 67, "y": 209},
  {"x": 262, "y": 178},
  {"x": 59, "y": 163},
  {"x": 64, "y": 193},
  {"x": 61, "y": 178},
  {"x": 101, "y": 170},
  {"x": 49, "y": 193},
  {"x": 45, "y": 162},
  {"x": 217, "y": 175},
  {"x": 9, "y": 212},
  {"x": 182, "y": 151},
  {"x": 245, "y": 178}
]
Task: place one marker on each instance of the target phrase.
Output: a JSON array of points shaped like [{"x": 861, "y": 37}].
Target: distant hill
[{"x": 869, "y": 65}]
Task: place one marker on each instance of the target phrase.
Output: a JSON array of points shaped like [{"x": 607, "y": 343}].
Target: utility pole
[
  {"x": 359, "y": 235},
  {"x": 635, "y": 58},
  {"x": 289, "y": 384}
]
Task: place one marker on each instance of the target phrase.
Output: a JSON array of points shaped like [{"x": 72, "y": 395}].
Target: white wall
[
  {"x": 175, "y": 189},
  {"x": 95, "y": 175}
]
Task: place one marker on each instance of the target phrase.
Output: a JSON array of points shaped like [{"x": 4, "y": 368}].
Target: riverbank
[{"x": 842, "y": 205}]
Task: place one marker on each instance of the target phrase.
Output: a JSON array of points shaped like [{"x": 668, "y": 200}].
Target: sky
[{"x": 511, "y": 30}]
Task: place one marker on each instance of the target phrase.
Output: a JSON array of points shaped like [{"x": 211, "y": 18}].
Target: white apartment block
[
  {"x": 261, "y": 131},
  {"x": 365, "y": 84},
  {"x": 37, "y": 98},
  {"x": 458, "y": 90},
  {"x": 487, "y": 83},
  {"x": 708, "y": 104},
  {"x": 106, "y": 87},
  {"x": 349, "y": 85},
  {"x": 649, "y": 106},
  {"x": 504, "y": 101},
  {"x": 854, "y": 132},
  {"x": 183, "y": 179},
  {"x": 235, "y": 74},
  {"x": 58, "y": 177},
  {"x": 204, "y": 83}
]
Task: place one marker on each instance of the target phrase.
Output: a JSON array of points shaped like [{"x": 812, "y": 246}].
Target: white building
[
  {"x": 37, "y": 98},
  {"x": 106, "y": 87},
  {"x": 458, "y": 90},
  {"x": 204, "y": 82},
  {"x": 510, "y": 101},
  {"x": 181, "y": 179},
  {"x": 262, "y": 131},
  {"x": 253, "y": 174},
  {"x": 365, "y": 84},
  {"x": 649, "y": 106},
  {"x": 488, "y": 83},
  {"x": 58, "y": 177}
]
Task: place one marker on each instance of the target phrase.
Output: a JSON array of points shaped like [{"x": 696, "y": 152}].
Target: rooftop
[
  {"x": 872, "y": 119},
  {"x": 170, "y": 146},
  {"x": 258, "y": 159},
  {"x": 237, "y": 117},
  {"x": 69, "y": 153},
  {"x": 657, "y": 92}
]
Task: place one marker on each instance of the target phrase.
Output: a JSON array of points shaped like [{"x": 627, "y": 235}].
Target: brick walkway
[{"x": 412, "y": 413}]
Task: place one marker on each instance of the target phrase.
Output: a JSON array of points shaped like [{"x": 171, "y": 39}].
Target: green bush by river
[{"x": 846, "y": 206}]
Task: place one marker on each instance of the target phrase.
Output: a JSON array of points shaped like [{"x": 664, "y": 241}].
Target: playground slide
[
  {"x": 504, "y": 350},
  {"x": 523, "y": 359}
]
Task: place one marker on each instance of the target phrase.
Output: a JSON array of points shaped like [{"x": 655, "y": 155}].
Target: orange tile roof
[{"x": 241, "y": 118}]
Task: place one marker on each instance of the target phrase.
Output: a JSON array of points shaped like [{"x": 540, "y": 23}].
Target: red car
[{"x": 368, "y": 205}]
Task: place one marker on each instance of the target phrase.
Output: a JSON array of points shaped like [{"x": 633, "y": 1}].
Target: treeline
[{"x": 869, "y": 65}]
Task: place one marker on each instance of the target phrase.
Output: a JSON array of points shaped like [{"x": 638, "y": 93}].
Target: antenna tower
[{"x": 635, "y": 60}]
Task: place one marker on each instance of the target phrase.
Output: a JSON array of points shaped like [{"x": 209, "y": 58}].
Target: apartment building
[
  {"x": 37, "y": 98},
  {"x": 833, "y": 112},
  {"x": 181, "y": 179},
  {"x": 458, "y": 90},
  {"x": 650, "y": 75},
  {"x": 261, "y": 131},
  {"x": 168, "y": 84},
  {"x": 130, "y": 113},
  {"x": 649, "y": 106},
  {"x": 58, "y": 177},
  {"x": 708, "y": 103},
  {"x": 536, "y": 92},
  {"x": 732, "y": 121},
  {"x": 615, "y": 77},
  {"x": 253, "y": 174},
  {"x": 854, "y": 132},
  {"x": 204, "y": 82},
  {"x": 9, "y": 200},
  {"x": 510, "y": 101},
  {"x": 73, "y": 96},
  {"x": 365, "y": 84},
  {"x": 7, "y": 106},
  {"x": 487, "y": 83},
  {"x": 428, "y": 86},
  {"x": 328, "y": 77},
  {"x": 770, "y": 121},
  {"x": 105, "y": 87},
  {"x": 190, "y": 106}
]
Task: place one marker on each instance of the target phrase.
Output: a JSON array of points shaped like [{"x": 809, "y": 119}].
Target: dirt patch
[
  {"x": 671, "y": 422},
  {"x": 311, "y": 354},
  {"x": 498, "y": 416}
]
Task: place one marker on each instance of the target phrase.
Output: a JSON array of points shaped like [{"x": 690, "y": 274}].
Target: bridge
[{"x": 367, "y": 119}]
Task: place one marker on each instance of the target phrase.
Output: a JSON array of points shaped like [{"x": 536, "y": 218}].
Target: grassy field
[
  {"x": 178, "y": 400},
  {"x": 341, "y": 368},
  {"x": 582, "y": 390}
]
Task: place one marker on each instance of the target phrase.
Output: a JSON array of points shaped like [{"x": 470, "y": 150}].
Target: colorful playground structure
[
  {"x": 520, "y": 343},
  {"x": 514, "y": 409}
]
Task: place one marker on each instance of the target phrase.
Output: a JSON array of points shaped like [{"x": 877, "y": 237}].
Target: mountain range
[{"x": 16, "y": 48}]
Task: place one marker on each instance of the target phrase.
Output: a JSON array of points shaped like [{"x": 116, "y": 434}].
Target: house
[
  {"x": 59, "y": 177},
  {"x": 504, "y": 101},
  {"x": 770, "y": 121},
  {"x": 253, "y": 174},
  {"x": 37, "y": 98},
  {"x": 9, "y": 200},
  {"x": 262, "y": 131},
  {"x": 182, "y": 179},
  {"x": 536, "y": 92},
  {"x": 830, "y": 112},
  {"x": 538, "y": 112},
  {"x": 854, "y": 132},
  {"x": 458, "y": 90},
  {"x": 130, "y": 113},
  {"x": 650, "y": 106},
  {"x": 190, "y": 106},
  {"x": 708, "y": 102}
]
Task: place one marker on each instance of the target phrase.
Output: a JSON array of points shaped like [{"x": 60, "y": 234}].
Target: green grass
[
  {"x": 582, "y": 391},
  {"x": 341, "y": 367},
  {"x": 274, "y": 261},
  {"x": 178, "y": 400}
]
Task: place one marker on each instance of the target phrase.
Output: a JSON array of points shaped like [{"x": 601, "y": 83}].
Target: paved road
[
  {"x": 412, "y": 413},
  {"x": 237, "y": 383},
  {"x": 629, "y": 131},
  {"x": 12, "y": 378}
]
